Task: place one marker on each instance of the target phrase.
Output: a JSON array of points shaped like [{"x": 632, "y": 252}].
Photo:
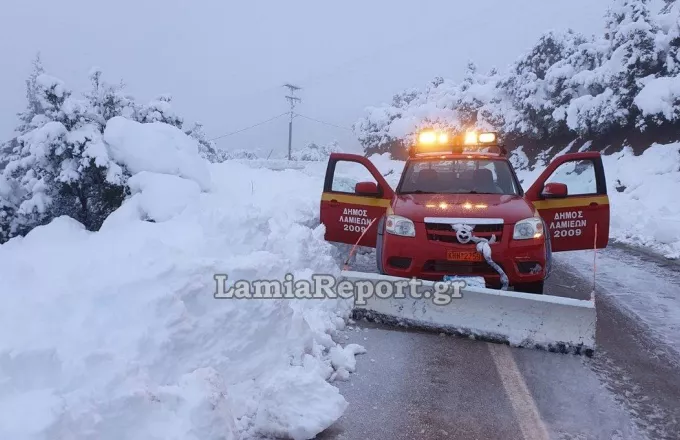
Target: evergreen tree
[
  {"x": 61, "y": 165},
  {"x": 107, "y": 101},
  {"x": 631, "y": 34},
  {"x": 206, "y": 148},
  {"x": 159, "y": 110},
  {"x": 526, "y": 85},
  {"x": 467, "y": 103},
  {"x": 33, "y": 107}
]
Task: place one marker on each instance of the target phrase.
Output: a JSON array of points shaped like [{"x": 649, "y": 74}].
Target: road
[{"x": 418, "y": 385}]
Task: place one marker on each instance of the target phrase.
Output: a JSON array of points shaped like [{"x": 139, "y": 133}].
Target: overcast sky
[{"x": 224, "y": 62}]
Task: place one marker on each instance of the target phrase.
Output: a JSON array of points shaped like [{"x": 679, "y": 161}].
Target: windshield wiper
[{"x": 418, "y": 191}]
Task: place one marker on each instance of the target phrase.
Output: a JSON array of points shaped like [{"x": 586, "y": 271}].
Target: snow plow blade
[{"x": 551, "y": 323}]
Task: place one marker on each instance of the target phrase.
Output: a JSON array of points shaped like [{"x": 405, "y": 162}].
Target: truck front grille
[{"x": 444, "y": 232}]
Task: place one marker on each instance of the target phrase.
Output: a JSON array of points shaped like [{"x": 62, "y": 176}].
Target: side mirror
[
  {"x": 366, "y": 189},
  {"x": 555, "y": 191}
]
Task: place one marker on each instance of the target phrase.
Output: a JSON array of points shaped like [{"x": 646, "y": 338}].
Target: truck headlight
[
  {"x": 528, "y": 228},
  {"x": 399, "y": 225}
]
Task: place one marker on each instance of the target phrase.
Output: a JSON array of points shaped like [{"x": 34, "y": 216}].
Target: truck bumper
[{"x": 524, "y": 261}]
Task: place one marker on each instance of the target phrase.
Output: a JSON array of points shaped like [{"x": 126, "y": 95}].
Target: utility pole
[{"x": 292, "y": 100}]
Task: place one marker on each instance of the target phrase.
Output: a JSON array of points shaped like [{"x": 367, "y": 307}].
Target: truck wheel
[
  {"x": 536, "y": 287},
  {"x": 379, "y": 245}
]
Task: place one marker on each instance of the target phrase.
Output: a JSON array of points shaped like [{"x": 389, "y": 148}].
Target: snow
[
  {"x": 344, "y": 361},
  {"x": 156, "y": 147},
  {"x": 116, "y": 334},
  {"x": 660, "y": 96},
  {"x": 626, "y": 278}
]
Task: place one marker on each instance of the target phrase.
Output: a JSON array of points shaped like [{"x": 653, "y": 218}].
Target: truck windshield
[{"x": 458, "y": 176}]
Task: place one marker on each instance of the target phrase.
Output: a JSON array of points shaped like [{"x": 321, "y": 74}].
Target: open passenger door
[
  {"x": 354, "y": 194},
  {"x": 571, "y": 196}
]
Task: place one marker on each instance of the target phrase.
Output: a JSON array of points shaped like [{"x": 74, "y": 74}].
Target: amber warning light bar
[{"x": 432, "y": 142}]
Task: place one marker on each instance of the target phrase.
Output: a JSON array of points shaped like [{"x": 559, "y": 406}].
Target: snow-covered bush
[
  {"x": 621, "y": 82},
  {"x": 61, "y": 164},
  {"x": 314, "y": 152},
  {"x": 241, "y": 154}
]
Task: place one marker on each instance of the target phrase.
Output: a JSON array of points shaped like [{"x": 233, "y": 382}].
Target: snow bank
[
  {"x": 156, "y": 147},
  {"x": 116, "y": 334}
]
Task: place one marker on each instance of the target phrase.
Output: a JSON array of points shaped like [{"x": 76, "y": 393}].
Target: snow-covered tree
[
  {"x": 467, "y": 103},
  {"x": 314, "y": 152},
  {"x": 33, "y": 107},
  {"x": 58, "y": 163},
  {"x": 633, "y": 54},
  {"x": 61, "y": 166},
  {"x": 159, "y": 110},
  {"x": 241, "y": 154},
  {"x": 373, "y": 130},
  {"x": 623, "y": 81},
  {"x": 206, "y": 147},
  {"x": 533, "y": 91},
  {"x": 107, "y": 101}
]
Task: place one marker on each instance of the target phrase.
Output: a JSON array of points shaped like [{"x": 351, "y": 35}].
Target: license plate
[{"x": 464, "y": 256}]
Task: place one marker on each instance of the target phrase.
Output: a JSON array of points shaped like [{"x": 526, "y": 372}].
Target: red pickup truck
[{"x": 456, "y": 190}]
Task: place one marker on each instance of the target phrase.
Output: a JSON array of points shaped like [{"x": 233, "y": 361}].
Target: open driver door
[
  {"x": 571, "y": 197},
  {"x": 354, "y": 195}
]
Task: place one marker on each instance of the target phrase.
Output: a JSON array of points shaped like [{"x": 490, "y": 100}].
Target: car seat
[
  {"x": 427, "y": 180},
  {"x": 482, "y": 180}
]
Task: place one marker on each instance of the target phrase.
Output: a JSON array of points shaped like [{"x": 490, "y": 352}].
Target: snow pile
[
  {"x": 116, "y": 334},
  {"x": 155, "y": 147}
]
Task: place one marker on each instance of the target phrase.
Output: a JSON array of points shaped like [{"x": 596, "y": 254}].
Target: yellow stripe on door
[
  {"x": 356, "y": 200},
  {"x": 570, "y": 202}
]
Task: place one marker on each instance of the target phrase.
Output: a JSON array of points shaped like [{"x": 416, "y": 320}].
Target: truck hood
[{"x": 507, "y": 207}]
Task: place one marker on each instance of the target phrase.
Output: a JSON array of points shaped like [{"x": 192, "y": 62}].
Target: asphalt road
[{"x": 417, "y": 385}]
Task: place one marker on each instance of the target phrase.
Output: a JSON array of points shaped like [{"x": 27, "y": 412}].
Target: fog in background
[{"x": 225, "y": 62}]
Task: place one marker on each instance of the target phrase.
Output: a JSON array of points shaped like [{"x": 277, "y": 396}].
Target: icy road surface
[{"x": 415, "y": 385}]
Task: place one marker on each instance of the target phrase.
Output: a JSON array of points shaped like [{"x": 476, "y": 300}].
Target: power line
[
  {"x": 249, "y": 127},
  {"x": 323, "y": 122}
]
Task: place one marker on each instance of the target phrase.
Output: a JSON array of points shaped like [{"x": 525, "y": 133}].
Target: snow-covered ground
[
  {"x": 116, "y": 334},
  {"x": 644, "y": 289}
]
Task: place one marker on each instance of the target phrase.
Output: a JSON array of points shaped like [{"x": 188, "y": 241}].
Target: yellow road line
[{"x": 526, "y": 412}]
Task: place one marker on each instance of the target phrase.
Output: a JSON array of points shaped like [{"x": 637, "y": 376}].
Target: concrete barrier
[{"x": 546, "y": 322}]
